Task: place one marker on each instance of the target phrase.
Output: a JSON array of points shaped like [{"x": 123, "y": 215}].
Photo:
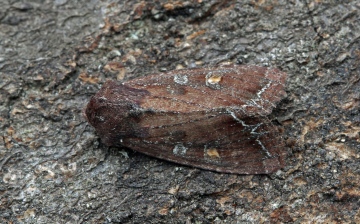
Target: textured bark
[{"x": 54, "y": 58}]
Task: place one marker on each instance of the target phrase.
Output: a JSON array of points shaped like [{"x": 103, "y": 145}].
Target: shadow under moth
[{"x": 214, "y": 118}]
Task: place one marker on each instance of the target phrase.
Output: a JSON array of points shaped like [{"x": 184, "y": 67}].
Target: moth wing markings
[
  {"x": 269, "y": 89},
  {"x": 233, "y": 158},
  {"x": 194, "y": 98},
  {"x": 200, "y": 101},
  {"x": 244, "y": 164},
  {"x": 257, "y": 93}
]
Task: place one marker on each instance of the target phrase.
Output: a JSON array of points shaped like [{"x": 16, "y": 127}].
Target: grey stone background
[{"x": 54, "y": 55}]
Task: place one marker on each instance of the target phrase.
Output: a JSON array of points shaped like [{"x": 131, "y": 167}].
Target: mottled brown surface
[
  {"x": 212, "y": 118},
  {"x": 55, "y": 55}
]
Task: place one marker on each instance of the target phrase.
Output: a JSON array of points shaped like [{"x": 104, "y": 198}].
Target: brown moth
[{"x": 212, "y": 118}]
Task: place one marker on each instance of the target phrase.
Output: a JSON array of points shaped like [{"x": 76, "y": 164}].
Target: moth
[{"x": 214, "y": 118}]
